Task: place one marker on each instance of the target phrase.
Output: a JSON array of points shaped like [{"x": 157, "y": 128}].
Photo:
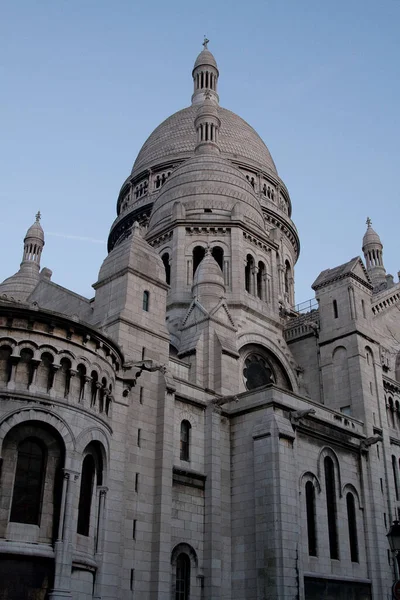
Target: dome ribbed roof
[
  {"x": 205, "y": 58},
  {"x": 175, "y": 139},
  {"x": 371, "y": 237},
  {"x": 205, "y": 183},
  {"x": 35, "y": 231}
]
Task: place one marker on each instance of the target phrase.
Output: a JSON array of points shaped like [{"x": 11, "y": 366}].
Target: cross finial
[
  {"x": 368, "y": 222},
  {"x": 205, "y": 42},
  {"x": 38, "y": 216}
]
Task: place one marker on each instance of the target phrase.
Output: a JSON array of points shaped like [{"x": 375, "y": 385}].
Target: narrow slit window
[
  {"x": 146, "y": 300},
  {"x": 335, "y": 309},
  {"x": 395, "y": 476},
  {"x": 352, "y": 523},
  {"x": 182, "y": 587},
  {"x": 331, "y": 507},
  {"x": 85, "y": 495},
  {"x": 311, "y": 524},
  {"x": 185, "y": 440}
]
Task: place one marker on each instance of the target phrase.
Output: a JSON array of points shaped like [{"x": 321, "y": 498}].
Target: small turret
[
  {"x": 20, "y": 285},
  {"x": 373, "y": 252},
  {"x": 33, "y": 244},
  {"x": 205, "y": 76},
  {"x": 208, "y": 282}
]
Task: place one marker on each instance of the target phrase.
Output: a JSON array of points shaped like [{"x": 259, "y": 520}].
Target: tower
[
  {"x": 372, "y": 248},
  {"x": 22, "y": 283}
]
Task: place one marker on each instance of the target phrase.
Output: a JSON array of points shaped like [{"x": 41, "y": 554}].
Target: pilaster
[{"x": 212, "y": 521}]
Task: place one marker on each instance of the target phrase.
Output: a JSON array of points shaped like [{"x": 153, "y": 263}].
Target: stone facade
[{"x": 189, "y": 433}]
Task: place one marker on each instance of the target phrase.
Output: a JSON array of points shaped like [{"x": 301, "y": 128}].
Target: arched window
[
  {"x": 82, "y": 380},
  {"x": 24, "y": 371},
  {"x": 95, "y": 379},
  {"x": 109, "y": 399},
  {"x": 45, "y": 373},
  {"x": 167, "y": 267},
  {"x": 260, "y": 280},
  {"x": 390, "y": 412},
  {"x": 248, "y": 274},
  {"x": 257, "y": 371},
  {"x": 288, "y": 274},
  {"x": 85, "y": 494},
  {"x": 182, "y": 589},
  {"x": 395, "y": 476},
  {"x": 63, "y": 377},
  {"x": 311, "y": 525},
  {"x": 198, "y": 255},
  {"x": 218, "y": 254},
  {"x": 146, "y": 300},
  {"x": 28, "y": 482},
  {"x": 352, "y": 523},
  {"x": 397, "y": 367},
  {"x": 102, "y": 393},
  {"x": 5, "y": 364},
  {"x": 331, "y": 506},
  {"x": 185, "y": 440}
]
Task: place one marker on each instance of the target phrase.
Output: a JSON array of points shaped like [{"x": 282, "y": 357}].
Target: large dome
[{"x": 176, "y": 138}]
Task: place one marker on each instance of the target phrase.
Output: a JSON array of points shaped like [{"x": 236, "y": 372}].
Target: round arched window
[{"x": 257, "y": 371}]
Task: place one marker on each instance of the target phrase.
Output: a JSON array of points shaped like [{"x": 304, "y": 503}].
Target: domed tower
[
  {"x": 204, "y": 179},
  {"x": 373, "y": 252},
  {"x": 20, "y": 285}
]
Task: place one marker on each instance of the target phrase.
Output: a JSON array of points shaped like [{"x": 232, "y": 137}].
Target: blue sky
[{"x": 85, "y": 82}]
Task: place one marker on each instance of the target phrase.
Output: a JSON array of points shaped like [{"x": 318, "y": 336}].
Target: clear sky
[{"x": 84, "y": 82}]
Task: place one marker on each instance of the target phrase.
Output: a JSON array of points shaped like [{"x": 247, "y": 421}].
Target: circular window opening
[{"x": 257, "y": 372}]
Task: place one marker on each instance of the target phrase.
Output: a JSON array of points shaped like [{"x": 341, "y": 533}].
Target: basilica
[{"x": 189, "y": 433}]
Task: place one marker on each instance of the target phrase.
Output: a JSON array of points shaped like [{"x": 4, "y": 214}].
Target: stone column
[
  {"x": 63, "y": 545},
  {"x": 35, "y": 363},
  {"x": 54, "y": 369},
  {"x": 212, "y": 516},
  {"x": 160, "y": 583},
  {"x": 14, "y": 362},
  {"x": 69, "y": 383},
  {"x": 102, "y": 490},
  {"x": 86, "y": 391}
]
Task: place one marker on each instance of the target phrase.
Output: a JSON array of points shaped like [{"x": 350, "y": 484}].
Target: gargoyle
[
  {"x": 143, "y": 365},
  {"x": 374, "y": 439},
  {"x": 297, "y": 415}
]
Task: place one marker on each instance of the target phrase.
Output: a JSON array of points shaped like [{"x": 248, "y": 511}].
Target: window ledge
[{"x": 188, "y": 477}]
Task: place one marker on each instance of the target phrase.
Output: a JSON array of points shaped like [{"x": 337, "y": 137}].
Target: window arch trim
[
  {"x": 321, "y": 472},
  {"x": 184, "y": 548},
  {"x": 309, "y": 476},
  {"x": 349, "y": 487}
]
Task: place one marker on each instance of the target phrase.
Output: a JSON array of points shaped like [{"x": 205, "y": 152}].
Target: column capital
[{"x": 71, "y": 475}]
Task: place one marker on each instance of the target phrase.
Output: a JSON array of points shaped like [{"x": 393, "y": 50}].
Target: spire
[
  {"x": 373, "y": 252},
  {"x": 205, "y": 75}
]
